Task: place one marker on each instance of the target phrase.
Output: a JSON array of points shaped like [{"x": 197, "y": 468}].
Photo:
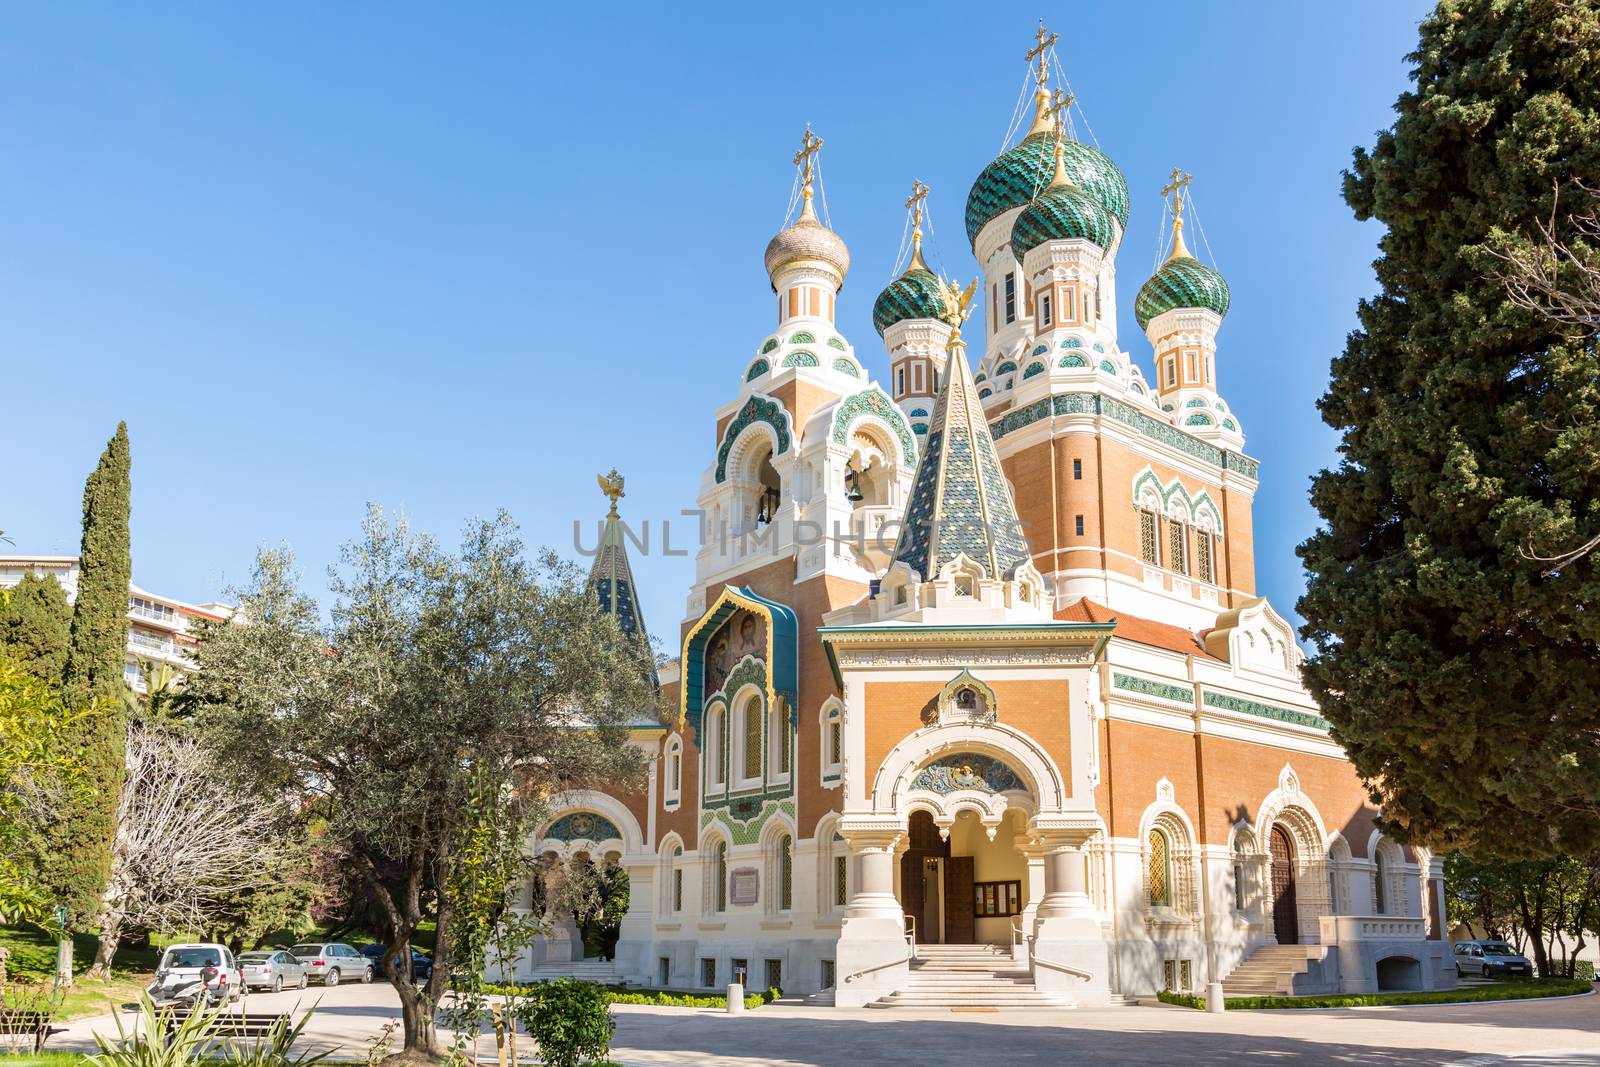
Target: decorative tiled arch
[
  {"x": 800, "y": 358},
  {"x": 1070, "y": 360},
  {"x": 846, "y": 366},
  {"x": 873, "y": 402},
  {"x": 759, "y": 408},
  {"x": 757, "y": 369},
  {"x": 1033, "y": 368}
]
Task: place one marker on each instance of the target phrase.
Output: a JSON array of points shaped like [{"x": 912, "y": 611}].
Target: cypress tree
[
  {"x": 80, "y": 845},
  {"x": 1460, "y": 672},
  {"x": 34, "y": 624}
]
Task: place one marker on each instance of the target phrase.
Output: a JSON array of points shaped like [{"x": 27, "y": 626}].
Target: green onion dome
[
  {"x": 1060, "y": 213},
  {"x": 916, "y": 294},
  {"x": 1021, "y": 172},
  {"x": 1182, "y": 282}
]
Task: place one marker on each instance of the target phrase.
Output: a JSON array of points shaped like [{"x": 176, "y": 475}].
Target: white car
[{"x": 184, "y": 965}]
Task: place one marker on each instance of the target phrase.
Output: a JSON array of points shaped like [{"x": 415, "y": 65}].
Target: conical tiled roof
[
  {"x": 960, "y": 501},
  {"x": 611, "y": 580}
]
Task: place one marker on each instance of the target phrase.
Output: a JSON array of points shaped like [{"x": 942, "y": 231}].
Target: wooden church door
[
  {"x": 960, "y": 925},
  {"x": 1285, "y": 917}
]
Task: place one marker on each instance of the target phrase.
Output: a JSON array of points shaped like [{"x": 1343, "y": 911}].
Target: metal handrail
[
  {"x": 1085, "y": 975},
  {"x": 911, "y": 952}
]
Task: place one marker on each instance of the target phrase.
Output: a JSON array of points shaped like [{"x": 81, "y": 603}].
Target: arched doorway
[{"x": 1285, "y": 918}]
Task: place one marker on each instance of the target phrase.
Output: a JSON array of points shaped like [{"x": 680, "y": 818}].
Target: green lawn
[{"x": 48, "y": 1059}]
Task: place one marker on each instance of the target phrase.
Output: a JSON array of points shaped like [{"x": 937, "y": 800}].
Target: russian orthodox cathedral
[{"x": 975, "y": 700}]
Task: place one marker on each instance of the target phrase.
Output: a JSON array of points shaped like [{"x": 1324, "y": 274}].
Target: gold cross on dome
[
  {"x": 919, "y": 193},
  {"x": 1176, "y": 182},
  {"x": 1041, "y": 52},
  {"x": 1059, "y": 103},
  {"x": 810, "y": 145}
]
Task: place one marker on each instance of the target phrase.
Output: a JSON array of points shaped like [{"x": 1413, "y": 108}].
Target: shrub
[
  {"x": 570, "y": 1019},
  {"x": 1583, "y": 970},
  {"x": 667, "y": 998},
  {"x": 772, "y": 993}
]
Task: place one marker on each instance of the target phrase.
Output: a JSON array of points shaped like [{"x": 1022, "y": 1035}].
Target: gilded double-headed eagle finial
[
  {"x": 611, "y": 486},
  {"x": 957, "y": 304}
]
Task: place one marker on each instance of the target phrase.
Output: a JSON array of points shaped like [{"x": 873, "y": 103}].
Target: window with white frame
[
  {"x": 1149, "y": 546},
  {"x": 716, "y": 877},
  {"x": 747, "y": 748},
  {"x": 1177, "y": 547},
  {"x": 715, "y": 750},
  {"x": 778, "y": 744},
  {"x": 832, "y": 740},
  {"x": 780, "y": 872},
  {"x": 672, "y": 787}
]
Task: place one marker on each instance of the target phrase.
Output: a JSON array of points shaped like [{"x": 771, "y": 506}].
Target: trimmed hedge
[
  {"x": 666, "y": 998},
  {"x": 1555, "y": 987}
]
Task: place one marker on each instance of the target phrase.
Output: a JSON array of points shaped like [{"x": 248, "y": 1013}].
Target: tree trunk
[{"x": 110, "y": 935}]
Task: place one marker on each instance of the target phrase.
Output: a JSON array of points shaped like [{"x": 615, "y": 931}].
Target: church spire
[
  {"x": 960, "y": 501},
  {"x": 611, "y": 578}
]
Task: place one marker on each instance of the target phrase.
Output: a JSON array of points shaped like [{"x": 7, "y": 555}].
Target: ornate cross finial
[
  {"x": 611, "y": 486},
  {"x": 919, "y": 193},
  {"x": 810, "y": 145},
  {"x": 1041, "y": 52},
  {"x": 1059, "y": 103},
  {"x": 1176, "y": 182}
]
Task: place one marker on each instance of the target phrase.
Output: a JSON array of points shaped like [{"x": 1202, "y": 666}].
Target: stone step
[{"x": 1034, "y": 1000}]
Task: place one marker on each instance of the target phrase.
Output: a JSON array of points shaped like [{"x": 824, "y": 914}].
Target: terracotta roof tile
[{"x": 1133, "y": 628}]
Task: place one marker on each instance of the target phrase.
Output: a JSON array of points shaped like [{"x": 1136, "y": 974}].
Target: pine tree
[
  {"x": 34, "y": 625},
  {"x": 1462, "y": 673},
  {"x": 79, "y": 858}
]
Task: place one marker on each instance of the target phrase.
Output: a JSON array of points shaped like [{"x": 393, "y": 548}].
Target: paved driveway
[{"x": 1533, "y": 1034}]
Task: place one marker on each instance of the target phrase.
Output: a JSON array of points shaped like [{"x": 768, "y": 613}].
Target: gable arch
[
  {"x": 581, "y": 801},
  {"x": 1040, "y": 777},
  {"x": 873, "y": 404},
  {"x": 760, "y": 410}
]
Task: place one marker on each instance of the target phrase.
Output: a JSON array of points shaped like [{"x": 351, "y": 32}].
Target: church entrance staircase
[{"x": 969, "y": 976}]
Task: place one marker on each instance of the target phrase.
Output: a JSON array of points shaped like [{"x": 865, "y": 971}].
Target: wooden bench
[
  {"x": 244, "y": 1025},
  {"x": 14, "y": 1023}
]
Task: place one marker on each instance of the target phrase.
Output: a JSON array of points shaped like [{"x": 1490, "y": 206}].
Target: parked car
[
  {"x": 210, "y": 966},
  {"x": 1491, "y": 959},
  {"x": 272, "y": 969},
  {"x": 332, "y": 962},
  {"x": 421, "y": 962}
]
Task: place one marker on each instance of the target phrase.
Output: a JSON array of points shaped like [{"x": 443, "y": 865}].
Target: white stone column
[
  {"x": 872, "y": 959},
  {"x": 1070, "y": 955}
]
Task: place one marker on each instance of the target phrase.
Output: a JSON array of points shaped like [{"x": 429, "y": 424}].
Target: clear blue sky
[{"x": 455, "y": 258}]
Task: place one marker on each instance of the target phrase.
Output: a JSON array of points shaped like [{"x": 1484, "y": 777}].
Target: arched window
[
  {"x": 750, "y": 740},
  {"x": 716, "y": 894},
  {"x": 1149, "y": 549},
  {"x": 1158, "y": 878},
  {"x": 1241, "y": 863},
  {"x": 1177, "y": 547},
  {"x": 672, "y": 788},
  {"x": 715, "y": 751},
  {"x": 671, "y": 877},
  {"x": 832, "y": 741},
  {"x": 778, "y": 731},
  {"x": 782, "y": 873}
]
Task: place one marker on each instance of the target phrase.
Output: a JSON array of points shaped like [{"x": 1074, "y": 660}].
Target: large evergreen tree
[
  {"x": 1462, "y": 672},
  {"x": 79, "y": 857},
  {"x": 35, "y": 621}
]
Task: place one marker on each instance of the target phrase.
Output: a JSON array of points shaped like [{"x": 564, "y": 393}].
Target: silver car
[
  {"x": 1491, "y": 959},
  {"x": 272, "y": 970},
  {"x": 332, "y": 962}
]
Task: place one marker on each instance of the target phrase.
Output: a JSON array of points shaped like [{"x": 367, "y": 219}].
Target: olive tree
[{"x": 439, "y": 675}]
